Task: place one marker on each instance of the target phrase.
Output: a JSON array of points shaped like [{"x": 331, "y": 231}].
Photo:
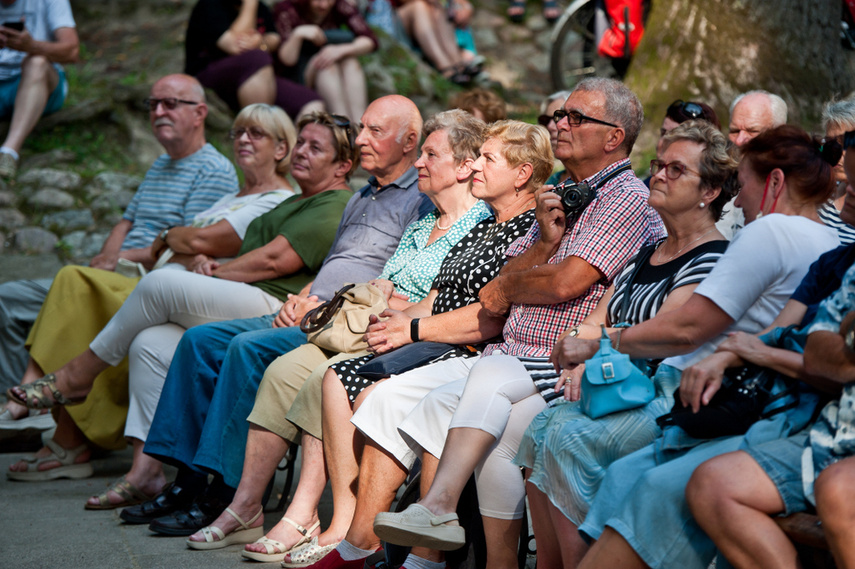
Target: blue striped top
[{"x": 174, "y": 191}]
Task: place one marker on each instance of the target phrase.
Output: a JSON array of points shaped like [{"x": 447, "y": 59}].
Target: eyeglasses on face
[
  {"x": 689, "y": 108},
  {"x": 673, "y": 170},
  {"x": 255, "y": 133},
  {"x": 544, "y": 120},
  {"x": 575, "y": 118},
  {"x": 169, "y": 103}
]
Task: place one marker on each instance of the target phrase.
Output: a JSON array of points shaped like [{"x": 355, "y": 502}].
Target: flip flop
[
  {"x": 244, "y": 534},
  {"x": 65, "y": 457},
  {"x": 130, "y": 494},
  {"x": 276, "y": 550},
  {"x": 516, "y": 11}
]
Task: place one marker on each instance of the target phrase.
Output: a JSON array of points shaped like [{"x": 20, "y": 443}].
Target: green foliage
[{"x": 96, "y": 150}]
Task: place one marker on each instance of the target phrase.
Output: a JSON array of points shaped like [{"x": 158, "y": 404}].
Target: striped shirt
[
  {"x": 829, "y": 215},
  {"x": 174, "y": 191}
]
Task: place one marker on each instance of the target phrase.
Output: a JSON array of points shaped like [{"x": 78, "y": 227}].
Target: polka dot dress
[{"x": 471, "y": 264}]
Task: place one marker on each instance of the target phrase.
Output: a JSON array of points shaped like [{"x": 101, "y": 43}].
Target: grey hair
[
  {"x": 621, "y": 104},
  {"x": 558, "y": 95},
  {"x": 465, "y": 132},
  {"x": 839, "y": 113},
  {"x": 777, "y": 106}
]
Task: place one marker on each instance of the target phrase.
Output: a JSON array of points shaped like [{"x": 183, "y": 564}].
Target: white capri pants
[
  {"x": 390, "y": 402},
  {"x": 183, "y": 298},
  {"x": 500, "y": 398}
]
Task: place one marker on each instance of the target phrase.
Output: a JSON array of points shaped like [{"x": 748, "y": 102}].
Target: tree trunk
[{"x": 712, "y": 50}]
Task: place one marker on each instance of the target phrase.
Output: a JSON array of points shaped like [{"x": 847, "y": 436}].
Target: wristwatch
[
  {"x": 573, "y": 332},
  {"x": 414, "y": 329},
  {"x": 163, "y": 234}
]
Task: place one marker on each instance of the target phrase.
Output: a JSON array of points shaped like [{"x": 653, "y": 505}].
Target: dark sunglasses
[
  {"x": 169, "y": 103},
  {"x": 575, "y": 118},
  {"x": 673, "y": 170},
  {"x": 344, "y": 122},
  {"x": 688, "y": 108},
  {"x": 544, "y": 120},
  {"x": 255, "y": 133}
]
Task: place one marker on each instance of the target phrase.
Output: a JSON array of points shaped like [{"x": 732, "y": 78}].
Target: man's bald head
[
  {"x": 389, "y": 138},
  {"x": 181, "y": 128},
  {"x": 754, "y": 112}
]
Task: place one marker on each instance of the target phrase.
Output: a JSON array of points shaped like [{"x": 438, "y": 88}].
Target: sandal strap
[
  {"x": 271, "y": 546},
  {"x": 243, "y": 524},
  {"x": 303, "y": 531},
  {"x": 210, "y": 531}
]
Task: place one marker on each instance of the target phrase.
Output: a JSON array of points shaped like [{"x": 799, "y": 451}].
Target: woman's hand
[
  {"x": 247, "y": 41},
  {"x": 328, "y": 56},
  {"x": 493, "y": 298},
  {"x": 387, "y": 287},
  {"x": 390, "y": 333},
  {"x": 550, "y": 216},
  {"x": 206, "y": 267},
  {"x": 312, "y": 33},
  {"x": 701, "y": 381},
  {"x": 570, "y": 381},
  {"x": 570, "y": 352},
  {"x": 747, "y": 346}
]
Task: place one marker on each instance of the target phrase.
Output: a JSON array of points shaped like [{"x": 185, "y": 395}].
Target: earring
[{"x": 702, "y": 205}]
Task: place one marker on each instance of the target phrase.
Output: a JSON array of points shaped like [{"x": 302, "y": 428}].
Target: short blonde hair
[
  {"x": 276, "y": 123},
  {"x": 525, "y": 143}
]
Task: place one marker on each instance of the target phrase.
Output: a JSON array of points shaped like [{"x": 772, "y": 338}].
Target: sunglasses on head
[
  {"x": 169, "y": 103},
  {"x": 544, "y": 120},
  {"x": 688, "y": 108},
  {"x": 344, "y": 122}
]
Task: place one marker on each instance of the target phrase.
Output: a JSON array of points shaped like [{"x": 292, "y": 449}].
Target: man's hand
[
  {"x": 13, "y": 39},
  {"x": 570, "y": 382},
  {"x": 386, "y": 335},
  {"x": 296, "y": 306},
  {"x": 570, "y": 352},
  {"x": 550, "y": 216},
  {"x": 493, "y": 298},
  {"x": 746, "y": 346},
  {"x": 104, "y": 261}
]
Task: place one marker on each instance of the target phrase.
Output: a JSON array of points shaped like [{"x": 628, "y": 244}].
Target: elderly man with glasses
[{"x": 181, "y": 183}]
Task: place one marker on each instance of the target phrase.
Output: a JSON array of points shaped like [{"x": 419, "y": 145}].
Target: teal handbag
[{"x": 612, "y": 383}]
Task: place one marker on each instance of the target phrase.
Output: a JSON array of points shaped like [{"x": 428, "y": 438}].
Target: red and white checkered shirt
[{"x": 608, "y": 233}]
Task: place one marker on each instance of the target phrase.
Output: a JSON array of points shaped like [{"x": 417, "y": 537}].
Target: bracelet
[
  {"x": 414, "y": 329},
  {"x": 617, "y": 340}
]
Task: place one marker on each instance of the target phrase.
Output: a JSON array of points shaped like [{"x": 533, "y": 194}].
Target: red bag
[{"x": 613, "y": 42}]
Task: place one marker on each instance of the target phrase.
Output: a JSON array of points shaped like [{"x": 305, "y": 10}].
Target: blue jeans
[{"x": 200, "y": 422}]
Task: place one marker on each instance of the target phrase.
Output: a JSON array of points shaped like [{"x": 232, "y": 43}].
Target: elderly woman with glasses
[
  {"x": 281, "y": 252},
  {"x": 553, "y": 103}
]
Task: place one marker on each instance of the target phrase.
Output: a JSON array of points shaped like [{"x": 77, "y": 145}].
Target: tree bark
[{"x": 713, "y": 50}]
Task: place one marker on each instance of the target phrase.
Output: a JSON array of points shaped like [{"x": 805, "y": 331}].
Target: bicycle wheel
[{"x": 574, "y": 52}]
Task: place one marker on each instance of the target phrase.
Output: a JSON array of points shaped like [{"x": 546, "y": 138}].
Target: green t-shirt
[{"x": 309, "y": 225}]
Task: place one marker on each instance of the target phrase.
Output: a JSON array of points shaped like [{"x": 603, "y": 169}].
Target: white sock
[
  {"x": 7, "y": 150},
  {"x": 350, "y": 552},
  {"x": 414, "y": 562}
]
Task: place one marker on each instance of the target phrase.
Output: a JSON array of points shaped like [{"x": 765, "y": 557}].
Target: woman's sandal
[
  {"x": 276, "y": 550},
  {"x": 456, "y": 74},
  {"x": 516, "y": 11},
  {"x": 245, "y": 534},
  {"x": 309, "y": 554},
  {"x": 67, "y": 468},
  {"x": 551, "y": 11},
  {"x": 34, "y": 395},
  {"x": 130, "y": 495}
]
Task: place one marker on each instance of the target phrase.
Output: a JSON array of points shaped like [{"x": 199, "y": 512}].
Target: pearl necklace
[
  {"x": 659, "y": 251},
  {"x": 441, "y": 228}
]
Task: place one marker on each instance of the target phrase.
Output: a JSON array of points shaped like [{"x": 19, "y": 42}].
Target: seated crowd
[{"x": 484, "y": 283}]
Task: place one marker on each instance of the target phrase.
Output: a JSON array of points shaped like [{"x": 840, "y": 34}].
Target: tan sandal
[
  {"x": 34, "y": 395},
  {"x": 67, "y": 468},
  {"x": 276, "y": 550},
  {"x": 130, "y": 495},
  {"x": 244, "y": 534}
]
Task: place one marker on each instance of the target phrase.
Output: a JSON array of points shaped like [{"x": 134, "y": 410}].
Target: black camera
[{"x": 574, "y": 197}]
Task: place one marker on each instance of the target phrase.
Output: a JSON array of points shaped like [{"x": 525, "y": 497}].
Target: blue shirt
[
  {"x": 369, "y": 232},
  {"x": 823, "y": 278},
  {"x": 174, "y": 191}
]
